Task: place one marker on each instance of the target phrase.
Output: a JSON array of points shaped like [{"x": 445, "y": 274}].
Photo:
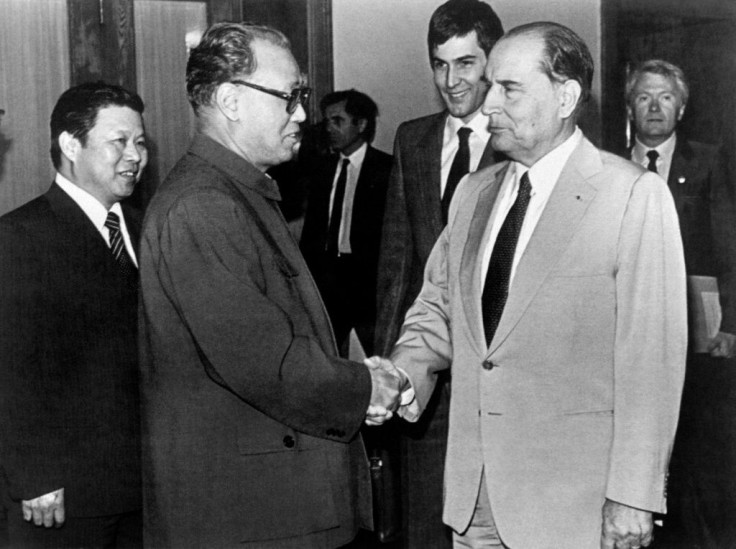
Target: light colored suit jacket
[{"x": 577, "y": 397}]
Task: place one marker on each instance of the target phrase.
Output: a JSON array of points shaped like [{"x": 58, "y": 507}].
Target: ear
[
  {"x": 69, "y": 146},
  {"x": 681, "y": 113},
  {"x": 227, "y": 99},
  {"x": 362, "y": 125},
  {"x": 630, "y": 113},
  {"x": 569, "y": 94}
]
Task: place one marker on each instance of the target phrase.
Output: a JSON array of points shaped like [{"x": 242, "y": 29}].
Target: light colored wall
[{"x": 380, "y": 49}]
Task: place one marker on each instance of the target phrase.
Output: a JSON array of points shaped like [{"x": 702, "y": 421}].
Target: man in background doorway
[
  {"x": 431, "y": 155},
  {"x": 703, "y": 481},
  {"x": 342, "y": 225}
]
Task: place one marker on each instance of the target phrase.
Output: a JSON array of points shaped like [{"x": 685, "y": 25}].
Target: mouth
[
  {"x": 457, "y": 95},
  {"x": 129, "y": 174}
]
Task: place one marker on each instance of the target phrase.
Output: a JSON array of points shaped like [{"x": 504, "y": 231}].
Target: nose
[
  {"x": 299, "y": 115},
  {"x": 451, "y": 79},
  {"x": 654, "y": 105},
  {"x": 492, "y": 101},
  {"x": 132, "y": 153}
]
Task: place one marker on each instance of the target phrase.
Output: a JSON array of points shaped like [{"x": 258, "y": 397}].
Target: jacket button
[
  {"x": 488, "y": 364},
  {"x": 289, "y": 441}
]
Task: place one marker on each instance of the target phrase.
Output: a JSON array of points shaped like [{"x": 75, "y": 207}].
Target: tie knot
[
  {"x": 463, "y": 134},
  {"x": 652, "y": 155},
  {"x": 345, "y": 162},
  {"x": 112, "y": 222}
]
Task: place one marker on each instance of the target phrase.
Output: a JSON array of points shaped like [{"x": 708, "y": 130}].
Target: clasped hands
[{"x": 388, "y": 383}]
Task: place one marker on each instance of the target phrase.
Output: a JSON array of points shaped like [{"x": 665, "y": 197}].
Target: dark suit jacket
[
  {"x": 412, "y": 221},
  {"x": 249, "y": 417},
  {"x": 365, "y": 234},
  {"x": 68, "y": 360},
  {"x": 706, "y": 205}
]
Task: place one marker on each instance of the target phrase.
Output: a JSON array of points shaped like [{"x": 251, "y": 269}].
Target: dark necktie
[
  {"x": 117, "y": 246},
  {"x": 496, "y": 287},
  {"x": 460, "y": 166},
  {"x": 652, "y": 156},
  {"x": 333, "y": 231}
]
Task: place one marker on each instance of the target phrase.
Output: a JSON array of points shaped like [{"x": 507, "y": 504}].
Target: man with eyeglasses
[{"x": 250, "y": 418}]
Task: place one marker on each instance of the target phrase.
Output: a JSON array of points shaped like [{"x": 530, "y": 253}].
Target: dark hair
[
  {"x": 225, "y": 52},
  {"x": 358, "y": 105},
  {"x": 565, "y": 55},
  {"x": 76, "y": 111},
  {"x": 663, "y": 68},
  {"x": 461, "y": 17}
]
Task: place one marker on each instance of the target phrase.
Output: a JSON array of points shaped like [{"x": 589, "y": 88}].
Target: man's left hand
[
  {"x": 625, "y": 527},
  {"x": 723, "y": 345}
]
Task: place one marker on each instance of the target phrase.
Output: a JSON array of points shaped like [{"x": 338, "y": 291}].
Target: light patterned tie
[{"x": 117, "y": 246}]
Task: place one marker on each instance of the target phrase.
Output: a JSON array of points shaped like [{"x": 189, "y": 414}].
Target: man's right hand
[
  {"x": 46, "y": 510},
  {"x": 386, "y": 393}
]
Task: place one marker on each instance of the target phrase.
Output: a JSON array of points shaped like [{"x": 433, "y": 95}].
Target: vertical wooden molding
[
  {"x": 320, "y": 60},
  {"x": 102, "y": 45}
]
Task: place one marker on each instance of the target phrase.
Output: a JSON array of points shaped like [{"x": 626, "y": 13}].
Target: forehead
[
  {"x": 117, "y": 118},
  {"x": 275, "y": 65},
  {"x": 459, "y": 46},
  {"x": 336, "y": 110},
  {"x": 650, "y": 81},
  {"x": 516, "y": 58}
]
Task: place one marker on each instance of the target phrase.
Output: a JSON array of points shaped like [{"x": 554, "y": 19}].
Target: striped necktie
[{"x": 117, "y": 246}]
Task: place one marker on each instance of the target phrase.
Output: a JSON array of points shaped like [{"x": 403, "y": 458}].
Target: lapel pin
[{"x": 681, "y": 179}]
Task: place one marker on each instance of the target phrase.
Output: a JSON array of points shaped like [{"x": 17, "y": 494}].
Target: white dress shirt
[
  {"x": 543, "y": 176},
  {"x": 477, "y": 142},
  {"x": 356, "y": 163},
  {"x": 96, "y": 212},
  {"x": 666, "y": 150}
]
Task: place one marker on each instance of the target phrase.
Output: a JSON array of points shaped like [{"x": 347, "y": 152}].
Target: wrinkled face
[
  {"x": 343, "y": 131},
  {"x": 267, "y": 134},
  {"x": 655, "y": 108},
  {"x": 110, "y": 163},
  {"x": 523, "y": 103},
  {"x": 458, "y": 66}
]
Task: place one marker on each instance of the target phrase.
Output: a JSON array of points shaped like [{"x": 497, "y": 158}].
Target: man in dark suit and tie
[
  {"x": 703, "y": 482},
  {"x": 431, "y": 154},
  {"x": 342, "y": 224},
  {"x": 69, "y": 406}
]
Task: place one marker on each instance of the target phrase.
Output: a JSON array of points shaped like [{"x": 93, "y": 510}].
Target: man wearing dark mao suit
[
  {"x": 250, "y": 419},
  {"x": 69, "y": 405}
]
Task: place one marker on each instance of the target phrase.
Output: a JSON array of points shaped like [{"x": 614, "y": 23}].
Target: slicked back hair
[{"x": 224, "y": 53}]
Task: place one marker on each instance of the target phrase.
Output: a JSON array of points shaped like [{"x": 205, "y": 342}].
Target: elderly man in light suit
[{"x": 557, "y": 295}]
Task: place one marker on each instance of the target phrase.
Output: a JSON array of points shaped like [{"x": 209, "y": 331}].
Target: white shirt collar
[
  {"x": 356, "y": 159},
  {"x": 479, "y": 125},
  {"x": 665, "y": 149},
  {"x": 546, "y": 171},
  {"x": 93, "y": 208}
]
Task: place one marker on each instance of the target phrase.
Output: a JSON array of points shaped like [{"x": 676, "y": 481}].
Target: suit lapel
[
  {"x": 473, "y": 252},
  {"x": 559, "y": 221},
  {"x": 429, "y": 176}
]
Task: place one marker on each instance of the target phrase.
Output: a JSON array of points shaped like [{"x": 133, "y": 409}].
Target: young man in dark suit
[
  {"x": 702, "y": 486},
  {"x": 342, "y": 225},
  {"x": 69, "y": 403},
  {"x": 431, "y": 154}
]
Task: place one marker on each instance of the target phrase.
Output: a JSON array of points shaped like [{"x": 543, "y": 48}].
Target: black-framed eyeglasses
[{"x": 293, "y": 100}]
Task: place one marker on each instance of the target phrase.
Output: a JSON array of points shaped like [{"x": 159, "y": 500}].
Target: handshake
[{"x": 388, "y": 384}]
